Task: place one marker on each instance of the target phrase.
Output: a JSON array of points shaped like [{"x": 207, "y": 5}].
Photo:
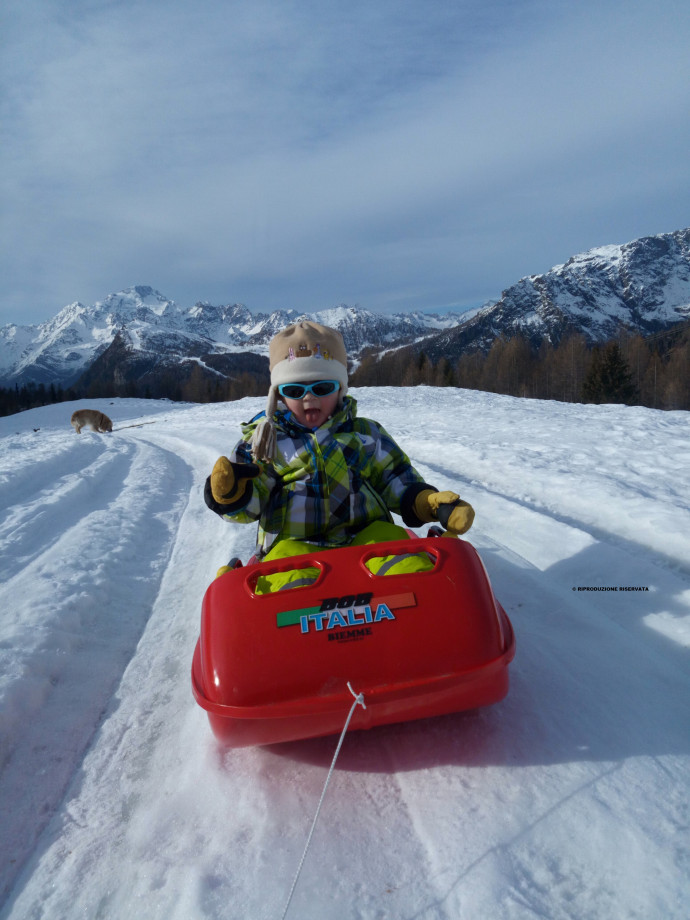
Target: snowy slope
[{"x": 567, "y": 800}]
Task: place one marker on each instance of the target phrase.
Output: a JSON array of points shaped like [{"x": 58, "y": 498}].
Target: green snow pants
[{"x": 378, "y": 532}]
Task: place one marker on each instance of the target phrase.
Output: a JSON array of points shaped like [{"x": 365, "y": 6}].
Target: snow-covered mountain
[
  {"x": 152, "y": 329},
  {"x": 59, "y": 350},
  {"x": 642, "y": 286}
]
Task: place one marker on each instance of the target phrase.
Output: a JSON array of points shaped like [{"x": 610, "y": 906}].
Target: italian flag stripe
[{"x": 291, "y": 617}]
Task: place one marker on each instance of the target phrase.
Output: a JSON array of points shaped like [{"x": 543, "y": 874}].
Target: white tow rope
[{"x": 359, "y": 701}]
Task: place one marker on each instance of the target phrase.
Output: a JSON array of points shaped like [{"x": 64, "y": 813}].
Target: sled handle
[
  {"x": 398, "y": 549},
  {"x": 279, "y": 566},
  {"x": 361, "y": 555}
]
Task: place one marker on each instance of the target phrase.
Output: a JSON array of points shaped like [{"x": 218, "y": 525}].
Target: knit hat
[{"x": 301, "y": 353}]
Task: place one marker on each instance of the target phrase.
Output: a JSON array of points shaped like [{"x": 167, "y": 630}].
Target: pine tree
[{"x": 609, "y": 379}]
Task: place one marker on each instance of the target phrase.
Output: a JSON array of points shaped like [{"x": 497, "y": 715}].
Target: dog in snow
[{"x": 90, "y": 418}]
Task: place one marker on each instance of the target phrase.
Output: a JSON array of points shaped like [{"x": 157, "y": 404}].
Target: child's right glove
[
  {"x": 229, "y": 480},
  {"x": 445, "y": 507}
]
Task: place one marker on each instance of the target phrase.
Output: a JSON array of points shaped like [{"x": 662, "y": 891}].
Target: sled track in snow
[
  {"x": 648, "y": 555},
  {"x": 36, "y": 514},
  {"x": 93, "y": 611}
]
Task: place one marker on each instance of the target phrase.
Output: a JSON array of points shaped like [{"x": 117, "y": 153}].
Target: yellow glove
[
  {"x": 445, "y": 507},
  {"x": 229, "y": 480}
]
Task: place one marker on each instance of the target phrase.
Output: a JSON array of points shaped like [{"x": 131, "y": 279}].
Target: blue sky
[{"x": 418, "y": 154}]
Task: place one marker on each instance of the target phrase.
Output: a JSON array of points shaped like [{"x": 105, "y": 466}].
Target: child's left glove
[{"x": 445, "y": 507}]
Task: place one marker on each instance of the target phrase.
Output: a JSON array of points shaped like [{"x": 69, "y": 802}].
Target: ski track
[
  {"x": 446, "y": 818},
  {"x": 87, "y": 611},
  {"x": 36, "y": 513}
]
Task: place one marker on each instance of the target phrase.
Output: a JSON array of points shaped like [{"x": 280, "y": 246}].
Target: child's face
[{"x": 312, "y": 411}]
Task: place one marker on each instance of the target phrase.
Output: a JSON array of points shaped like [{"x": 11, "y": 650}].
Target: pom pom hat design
[{"x": 302, "y": 353}]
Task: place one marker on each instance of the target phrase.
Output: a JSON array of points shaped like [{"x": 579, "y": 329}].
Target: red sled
[{"x": 275, "y": 667}]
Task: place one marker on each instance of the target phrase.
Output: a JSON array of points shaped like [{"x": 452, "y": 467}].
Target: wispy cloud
[{"x": 400, "y": 155}]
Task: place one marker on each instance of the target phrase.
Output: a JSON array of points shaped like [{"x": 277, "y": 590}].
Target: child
[{"x": 314, "y": 475}]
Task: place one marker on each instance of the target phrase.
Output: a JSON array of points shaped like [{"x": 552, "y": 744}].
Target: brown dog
[{"x": 90, "y": 418}]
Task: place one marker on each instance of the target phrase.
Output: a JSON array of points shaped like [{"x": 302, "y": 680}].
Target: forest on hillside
[
  {"x": 651, "y": 371},
  {"x": 631, "y": 369}
]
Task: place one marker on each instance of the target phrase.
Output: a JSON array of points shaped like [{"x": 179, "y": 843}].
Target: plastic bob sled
[{"x": 275, "y": 667}]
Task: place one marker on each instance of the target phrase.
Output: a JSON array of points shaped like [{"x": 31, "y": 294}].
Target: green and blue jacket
[{"x": 324, "y": 485}]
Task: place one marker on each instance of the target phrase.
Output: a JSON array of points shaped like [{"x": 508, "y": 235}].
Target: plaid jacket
[{"x": 325, "y": 485}]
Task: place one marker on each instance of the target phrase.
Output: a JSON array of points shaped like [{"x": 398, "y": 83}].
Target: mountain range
[
  {"x": 642, "y": 287},
  {"x": 139, "y": 334}
]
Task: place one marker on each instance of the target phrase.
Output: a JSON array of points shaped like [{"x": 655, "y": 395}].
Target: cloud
[{"x": 402, "y": 155}]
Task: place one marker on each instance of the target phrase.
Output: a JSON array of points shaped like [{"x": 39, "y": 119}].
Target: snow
[
  {"x": 568, "y": 800},
  {"x": 13, "y": 342},
  {"x": 606, "y": 255},
  {"x": 336, "y": 316}
]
